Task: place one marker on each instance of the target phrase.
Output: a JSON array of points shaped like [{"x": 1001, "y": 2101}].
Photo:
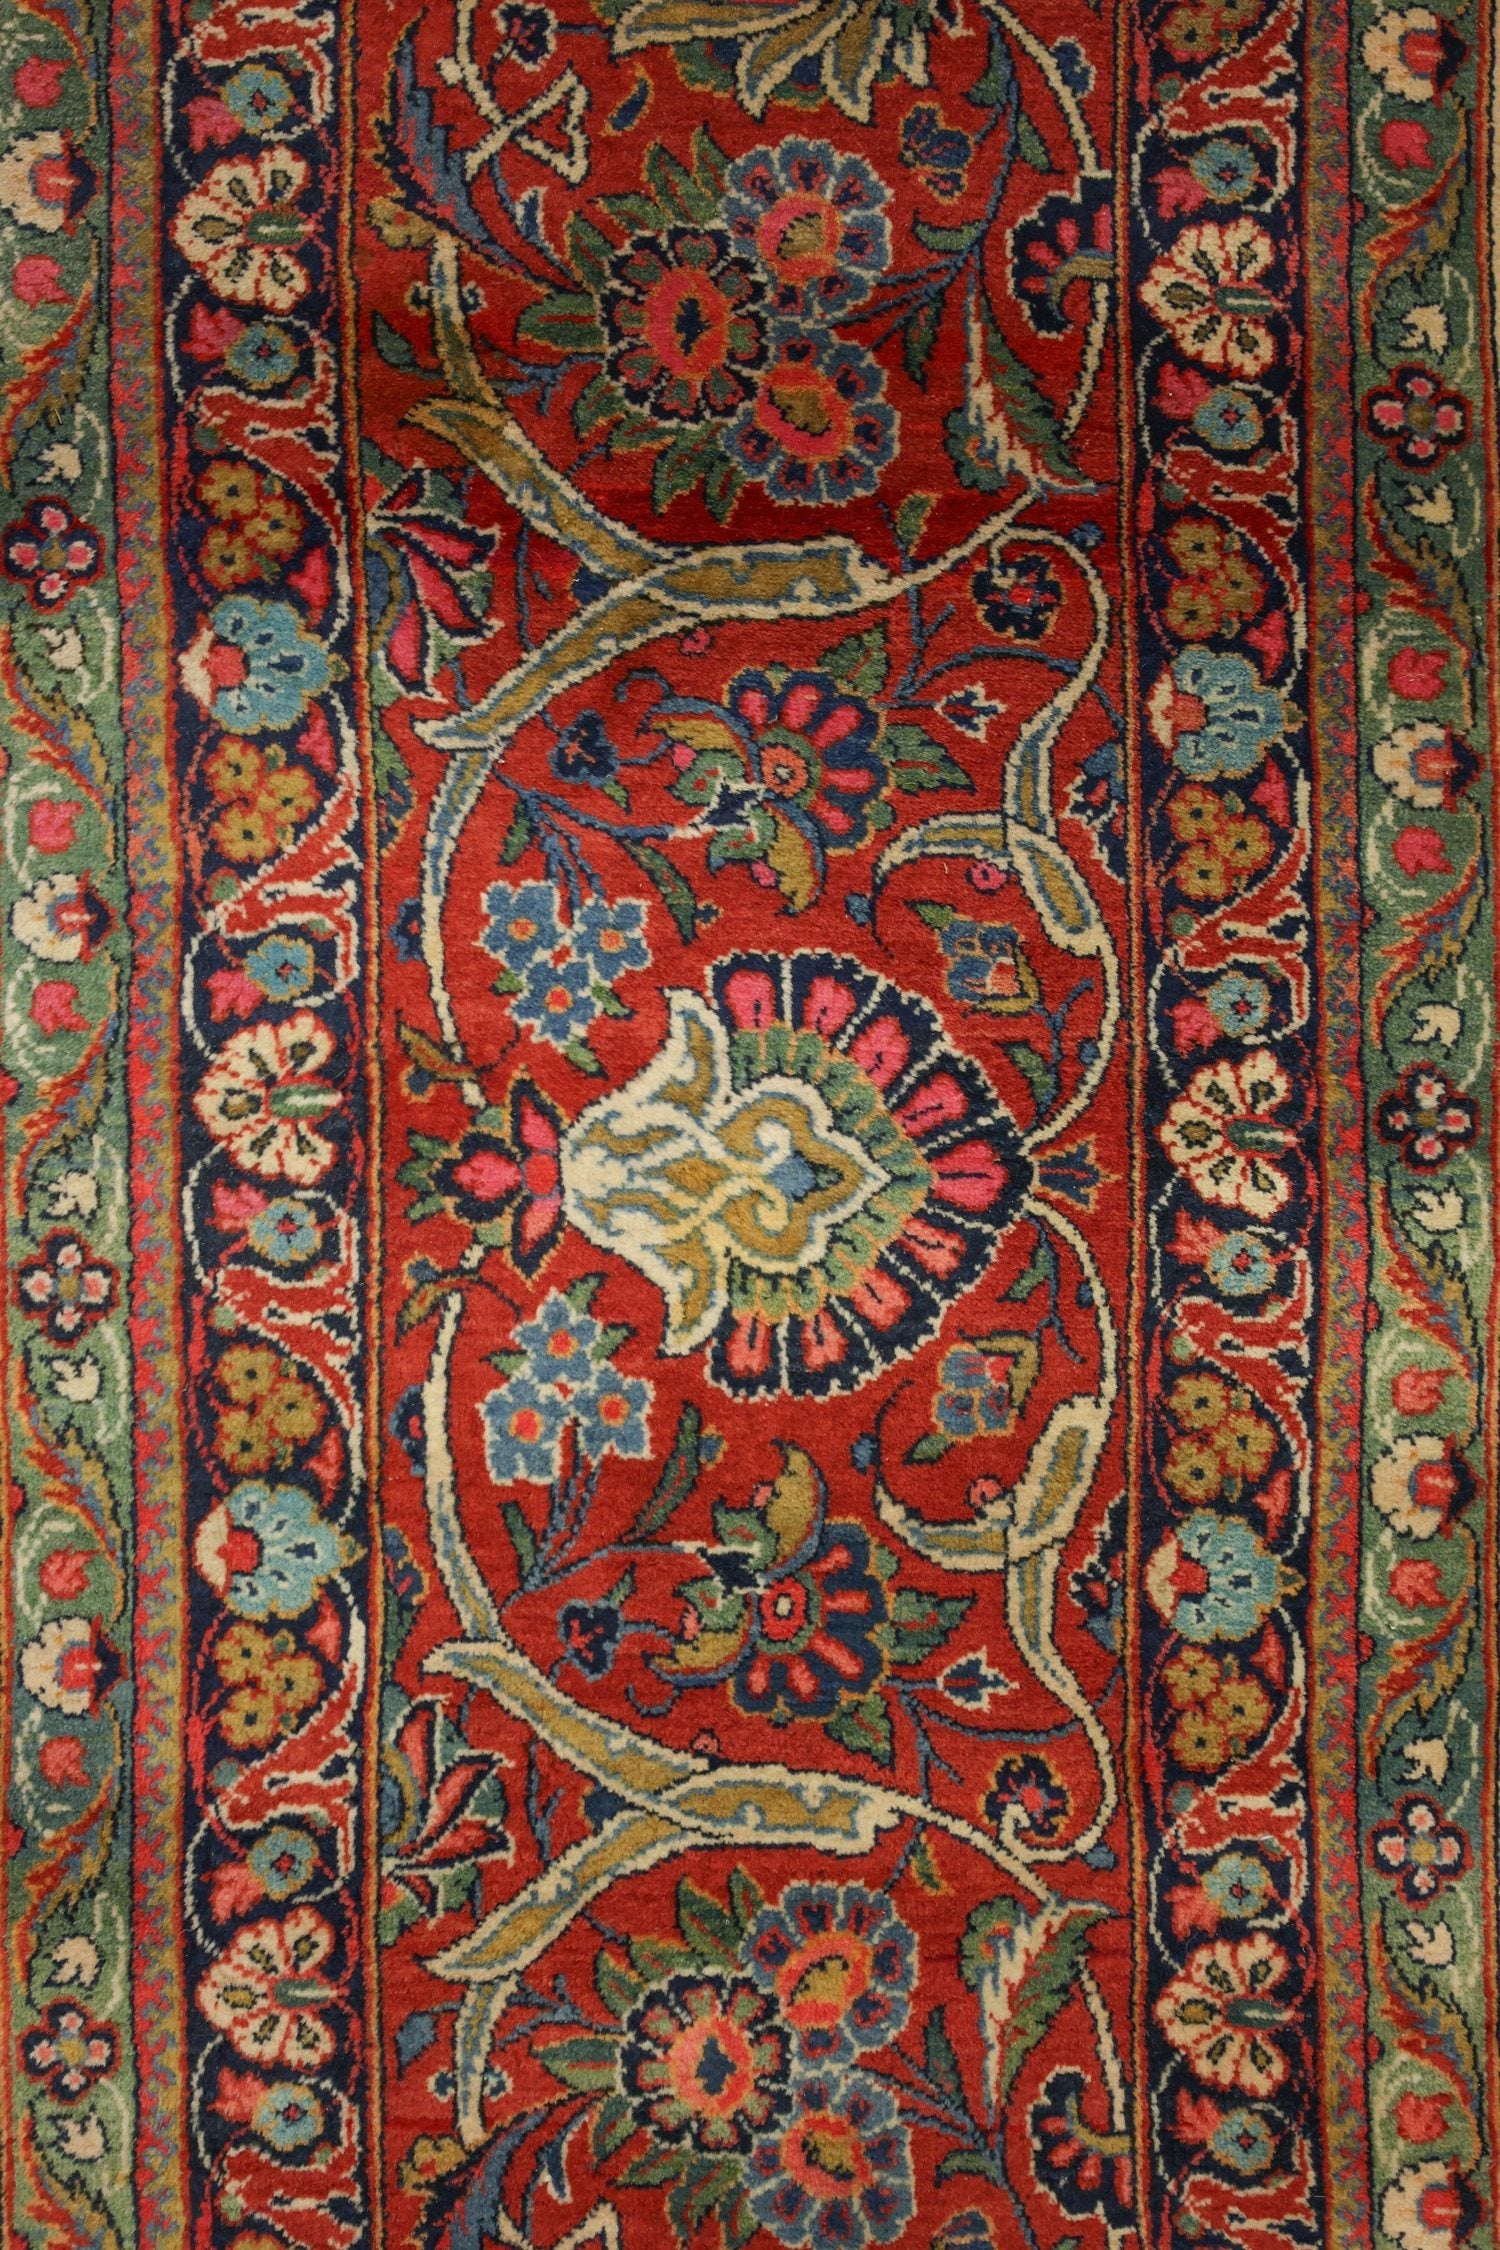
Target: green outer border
[{"x": 1455, "y": 2006}]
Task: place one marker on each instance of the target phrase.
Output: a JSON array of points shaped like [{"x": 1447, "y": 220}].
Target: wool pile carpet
[{"x": 749, "y": 1323}]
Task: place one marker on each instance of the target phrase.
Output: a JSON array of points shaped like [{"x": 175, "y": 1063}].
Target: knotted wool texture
[{"x": 747, "y": 1125}]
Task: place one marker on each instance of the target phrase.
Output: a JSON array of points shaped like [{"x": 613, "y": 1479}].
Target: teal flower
[
  {"x": 283, "y": 1860},
  {"x": 1214, "y": 1579},
  {"x": 818, "y": 429},
  {"x": 1239, "y": 1005},
  {"x": 840, "y": 1963},
  {"x": 556, "y": 1000},
  {"x": 1238, "y": 1265},
  {"x": 1226, "y": 170},
  {"x": 561, "y": 1372},
  {"x": 260, "y": 99},
  {"x": 282, "y": 967},
  {"x": 1238, "y": 1885},
  {"x": 254, "y": 668},
  {"x": 811, "y": 215},
  {"x": 288, "y": 2118},
  {"x": 1214, "y": 714},
  {"x": 839, "y": 2170},
  {"x": 267, "y": 1550},
  {"x": 1243, "y": 2142},
  {"x": 1229, "y": 420},
  {"x": 263, "y": 357},
  {"x": 287, "y": 1232}
]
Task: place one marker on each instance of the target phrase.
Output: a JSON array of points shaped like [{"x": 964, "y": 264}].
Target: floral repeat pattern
[{"x": 757, "y": 320}]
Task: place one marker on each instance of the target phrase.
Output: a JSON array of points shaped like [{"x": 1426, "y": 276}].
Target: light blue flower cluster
[
  {"x": 562, "y": 975},
  {"x": 561, "y": 1372}
]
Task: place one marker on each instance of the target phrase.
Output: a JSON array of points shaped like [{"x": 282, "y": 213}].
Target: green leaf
[
  {"x": 710, "y": 1932},
  {"x": 942, "y": 2062},
  {"x": 1035, "y": 1276},
  {"x": 392, "y": 345},
  {"x": 518, "y": 836},
  {"x": 918, "y": 763},
  {"x": 924, "y": 1868},
  {"x": 656, "y": 1958},
  {"x": 1031, "y": 145},
  {"x": 636, "y": 433},
  {"x": 677, "y": 191},
  {"x": 438, "y": 1063},
  {"x": 722, "y": 486},
  {"x": 614, "y": 2122},
  {"x": 424, "y": 1301},
  {"x": 745, "y": 1897},
  {"x": 583, "y": 1058},
  {"x": 950, "y": 242},
  {"x": 739, "y": 2223},
  {"x": 584, "y": 2061},
  {"x": 919, "y": 336},
  {"x": 617, "y": 1986},
  {"x": 705, "y": 2183},
  {"x": 656, "y": 2169},
  {"x": 682, "y": 465},
  {"x": 864, "y": 1727},
  {"x": 589, "y": 252},
  {"x": 398, "y": 1916},
  {"x": 710, "y": 164},
  {"x": 522, "y": 1537},
  {"x": 679, "y": 901},
  {"x": 1037, "y": 1072},
  {"x": 990, "y": 91},
  {"x": 1034, "y": 417},
  {"x": 969, "y": 2160},
  {"x": 859, "y": 663},
  {"x": 932, "y": 1447},
  {"x": 640, "y": 213},
  {"x": 565, "y": 321},
  {"x": 920, "y": 1623},
  {"x": 597, "y": 402},
  {"x": 911, "y": 521},
  {"x": 679, "y": 1475},
  {"x": 1050, "y": 1980},
  {"x": 623, "y": 1588},
  {"x": 933, "y": 913}
]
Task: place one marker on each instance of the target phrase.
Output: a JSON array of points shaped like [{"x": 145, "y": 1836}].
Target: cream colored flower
[
  {"x": 1222, "y": 1135},
  {"x": 264, "y": 1994},
  {"x": 1208, "y": 293},
  {"x": 241, "y": 227},
  {"x": 264, "y": 1099},
  {"x": 1221, "y": 2011}
]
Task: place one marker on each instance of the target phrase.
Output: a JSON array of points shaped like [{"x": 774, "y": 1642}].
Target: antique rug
[{"x": 746, "y": 777}]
